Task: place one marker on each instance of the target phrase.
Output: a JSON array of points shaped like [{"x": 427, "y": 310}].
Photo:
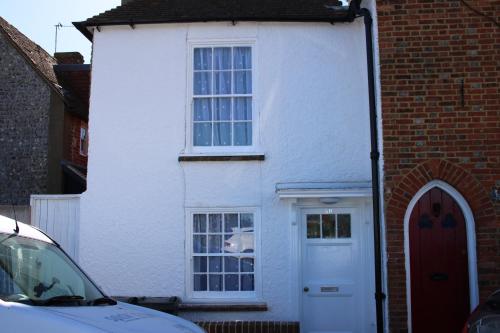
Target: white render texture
[{"x": 311, "y": 99}]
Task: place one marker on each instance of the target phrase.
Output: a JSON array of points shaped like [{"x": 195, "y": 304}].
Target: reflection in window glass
[
  {"x": 344, "y": 225},
  {"x": 223, "y": 252},
  {"x": 328, "y": 225},
  {"x": 313, "y": 226}
]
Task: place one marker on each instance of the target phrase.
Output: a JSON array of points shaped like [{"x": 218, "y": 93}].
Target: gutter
[
  {"x": 342, "y": 15},
  {"x": 357, "y": 11}
]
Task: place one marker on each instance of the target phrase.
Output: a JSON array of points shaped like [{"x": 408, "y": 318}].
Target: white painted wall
[{"x": 312, "y": 101}]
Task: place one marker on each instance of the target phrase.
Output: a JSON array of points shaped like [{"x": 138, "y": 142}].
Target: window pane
[
  {"x": 230, "y": 222},
  {"x": 200, "y": 264},
  {"x": 246, "y": 265},
  {"x": 232, "y": 243},
  {"x": 202, "y": 109},
  {"x": 222, "y": 109},
  {"x": 215, "y": 282},
  {"x": 222, "y": 134},
  {"x": 215, "y": 223},
  {"x": 232, "y": 282},
  {"x": 202, "y": 58},
  {"x": 243, "y": 82},
  {"x": 313, "y": 227},
  {"x": 246, "y": 222},
  {"x": 202, "y": 134},
  {"x": 215, "y": 264},
  {"x": 222, "y": 58},
  {"x": 242, "y": 57},
  {"x": 230, "y": 264},
  {"x": 222, "y": 83},
  {"x": 246, "y": 242},
  {"x": 199, "y": 223},
  {"x": 202, "y": 83},
  {"x": 243, "y": 134},
  {"x": 214, "y": 244},
  {"x": 328, "y": 221},
  {"x": 344, "y": 226},
  {"x": 247, "y": 283},
  {"x": 199, "y": 244},
  {"x": 243, "y": 108},
  {"x": 200, "y": 282}
]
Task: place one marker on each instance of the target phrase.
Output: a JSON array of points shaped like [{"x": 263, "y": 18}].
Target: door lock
[{"x": 306, "y": 289}]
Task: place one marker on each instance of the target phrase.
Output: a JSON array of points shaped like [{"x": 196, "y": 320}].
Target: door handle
[
  {"x": 306, "y": 289},
  {"x": 439, "y": 277}
]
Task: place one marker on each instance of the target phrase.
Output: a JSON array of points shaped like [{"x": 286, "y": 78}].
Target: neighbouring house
[
  {"x": 43, "y": 121},
  {"x": 441, "y": 135},
  {"x": 231, "y": 166}
]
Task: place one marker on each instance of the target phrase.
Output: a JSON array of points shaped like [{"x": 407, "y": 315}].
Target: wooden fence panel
[{"x": 59, "y": 217}]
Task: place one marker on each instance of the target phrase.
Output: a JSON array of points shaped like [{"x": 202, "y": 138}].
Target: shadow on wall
[{"x": 22, "y": 213}]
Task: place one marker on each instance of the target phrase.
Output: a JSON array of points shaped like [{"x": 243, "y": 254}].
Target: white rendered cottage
[{"x": 229, "y": 161}]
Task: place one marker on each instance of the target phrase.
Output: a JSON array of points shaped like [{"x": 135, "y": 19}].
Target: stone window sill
[
  {"x": 222, "y": 307},
  {"x": 221, "y": 157}
]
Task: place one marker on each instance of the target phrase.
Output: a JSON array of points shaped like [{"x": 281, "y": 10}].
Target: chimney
[
  {"x": 68, "y": 58},
  {"x": 125, "y": 2}
]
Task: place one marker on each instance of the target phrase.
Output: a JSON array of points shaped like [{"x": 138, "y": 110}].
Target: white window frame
[
  {"x": 210, "y": 150},
  {"x": 210, "y": 296},
  {"x": 82, "y": 152}
]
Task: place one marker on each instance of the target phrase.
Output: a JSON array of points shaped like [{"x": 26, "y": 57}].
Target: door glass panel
[
  {"x": 344, "y": 225},
  {"x": 328, "y": 221},
  {"x": 313, "y": 226}
]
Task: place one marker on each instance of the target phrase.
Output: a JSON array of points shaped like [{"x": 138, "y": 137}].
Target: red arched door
[{"x": 438, "y": 264}]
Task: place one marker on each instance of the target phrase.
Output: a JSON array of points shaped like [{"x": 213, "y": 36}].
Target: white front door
[{"x": 335, "y": 274}]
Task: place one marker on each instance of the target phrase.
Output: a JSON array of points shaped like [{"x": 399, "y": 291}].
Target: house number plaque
[{"x": 329, "y": 289}]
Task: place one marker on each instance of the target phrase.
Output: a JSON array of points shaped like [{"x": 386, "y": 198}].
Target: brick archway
[{"x": 397, "y": 201}]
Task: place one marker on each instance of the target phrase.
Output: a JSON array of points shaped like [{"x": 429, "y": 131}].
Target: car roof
[{"x": 8, "y": 225}]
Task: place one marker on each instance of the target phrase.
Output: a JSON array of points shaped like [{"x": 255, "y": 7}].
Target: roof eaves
[{"x": 343, "y": 15}]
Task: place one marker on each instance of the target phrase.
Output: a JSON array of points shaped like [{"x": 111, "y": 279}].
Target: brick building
[
  {"x": 441, "y": 116},
  {"x": 43, "y": 114}
]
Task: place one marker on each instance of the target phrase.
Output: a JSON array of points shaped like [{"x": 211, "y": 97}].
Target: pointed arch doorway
[{"x": 440, "y": 258}]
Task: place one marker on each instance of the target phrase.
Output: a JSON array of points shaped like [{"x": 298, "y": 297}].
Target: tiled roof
[
  {"x": 36, "y": 56},
  {"x": 175, "y": 11}
]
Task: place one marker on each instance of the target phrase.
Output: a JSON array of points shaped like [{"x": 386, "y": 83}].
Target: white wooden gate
[{"x": 59, "y": 217}]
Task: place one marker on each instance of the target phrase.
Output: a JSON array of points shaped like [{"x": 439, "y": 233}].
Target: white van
[{"x": 42, "y": 290}]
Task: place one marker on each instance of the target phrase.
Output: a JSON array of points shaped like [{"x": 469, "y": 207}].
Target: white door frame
[
  {"x": 471, "y": 242},
  {"x": 362, "y": 206}
]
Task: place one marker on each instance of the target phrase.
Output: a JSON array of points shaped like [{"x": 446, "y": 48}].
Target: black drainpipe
[{"x": 356, "y": 11}]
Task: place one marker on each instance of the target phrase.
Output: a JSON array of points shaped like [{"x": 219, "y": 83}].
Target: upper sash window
[{"x": 222, "y": 97}]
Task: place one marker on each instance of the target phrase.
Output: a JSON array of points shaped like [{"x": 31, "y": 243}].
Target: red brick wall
[
  {"x": 72, "y": 139},
  {"x": 427, "y": 49}
]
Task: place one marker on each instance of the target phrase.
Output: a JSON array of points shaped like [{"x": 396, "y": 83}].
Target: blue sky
[{"x": 37, "y": 18}]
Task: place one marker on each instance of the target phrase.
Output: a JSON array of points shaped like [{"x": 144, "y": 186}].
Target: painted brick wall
[
  {"x": 435, "y": 127},
  {"x": 24, "y": 120}
]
